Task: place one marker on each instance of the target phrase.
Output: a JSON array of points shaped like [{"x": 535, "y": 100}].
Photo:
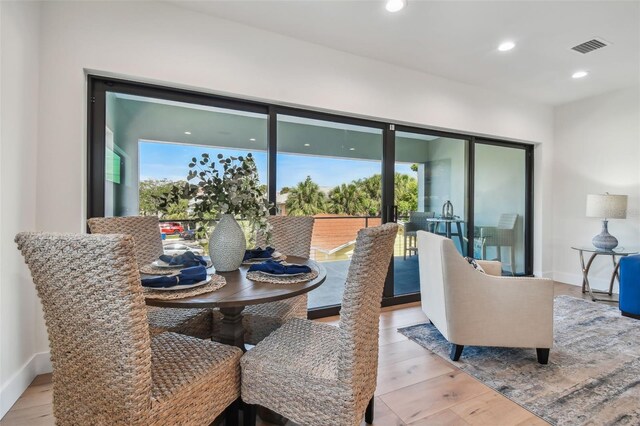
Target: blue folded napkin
[
  {"x": 273, "y": 267},
  {"x": 186, "y": 276},
  {"x": 187, "y": 259},
  {"x": 258, "y": 253}
]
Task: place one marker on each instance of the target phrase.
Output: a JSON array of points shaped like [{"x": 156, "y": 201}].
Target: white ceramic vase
[{"x": 227, "y": 244}]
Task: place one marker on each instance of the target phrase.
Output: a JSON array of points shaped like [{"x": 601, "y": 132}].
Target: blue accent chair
[{"x": 630, "y": 286}]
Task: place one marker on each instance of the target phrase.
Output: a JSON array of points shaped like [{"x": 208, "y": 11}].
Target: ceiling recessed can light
[
  {"x": 395, "y": 5},
  {"x": 252, "y": 139},
  {"x": 307, "y": 144},
  {"x": 580, "y": 74},
  {"x": 187, "y": 132},
  {"x": 352, "y": 149},
  {"x": 506, "y": 46}
]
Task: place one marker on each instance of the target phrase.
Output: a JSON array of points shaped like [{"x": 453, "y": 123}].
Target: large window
[
  {"x": 151, "y": 141},
  {"x": 348, "y": 173},
  {"x": 332, "y": 171},
  {"x": 430, "y": 177}
]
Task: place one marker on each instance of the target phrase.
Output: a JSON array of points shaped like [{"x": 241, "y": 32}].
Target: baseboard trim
[
  {"x": 576, "y": 279},
  {"x": 39, "y": 363}
]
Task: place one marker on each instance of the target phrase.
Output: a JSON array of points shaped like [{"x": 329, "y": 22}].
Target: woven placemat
[
  {"x": 154, "y": 270},
  {"x": 281, "y": 279},
  {"x": 277, "y": 259},
  {"x": 216, "y": 283}
]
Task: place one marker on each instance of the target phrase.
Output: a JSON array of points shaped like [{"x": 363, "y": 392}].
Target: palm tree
[
  {"x": 371, "y": 188},
  {"x": 406, "y": 193},
  {"x": 305, "y": 199},
  {"x": 347, "y": 199}
]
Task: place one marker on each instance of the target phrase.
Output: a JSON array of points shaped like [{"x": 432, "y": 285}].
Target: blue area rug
[{"x": 593, "y": 375}]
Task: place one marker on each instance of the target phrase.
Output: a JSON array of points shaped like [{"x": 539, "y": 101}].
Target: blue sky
[{"x": 169, "y": 161}]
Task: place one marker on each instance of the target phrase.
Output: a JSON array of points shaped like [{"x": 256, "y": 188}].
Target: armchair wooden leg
[
  {"x": 368, "y": 415},
  {"x": 249, "y": 415},
  {"x": 456, "y": 351},
  {"x": 543, "y": 355}
]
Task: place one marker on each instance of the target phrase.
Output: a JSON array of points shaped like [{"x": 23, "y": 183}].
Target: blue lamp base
[{"x": 604, "y": 240}]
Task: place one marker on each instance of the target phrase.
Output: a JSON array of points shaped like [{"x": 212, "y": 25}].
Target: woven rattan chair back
[
  {"x": 360, "y": 310},
  {"x": 145, "y": 231},
  {"x": 290, "y": 235},
  {"x": 95, "y": 315}
]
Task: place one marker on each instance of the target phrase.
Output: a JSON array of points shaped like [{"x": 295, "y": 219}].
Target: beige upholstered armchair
[{"x": 471, "y": 308}]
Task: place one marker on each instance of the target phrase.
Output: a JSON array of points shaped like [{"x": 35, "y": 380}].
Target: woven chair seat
[
  {"x": 299, "y": 349},
  {"x": 192, "y": 322},
  {"x": 191, "y": 378},
  {"x": 300, "y": 358}
]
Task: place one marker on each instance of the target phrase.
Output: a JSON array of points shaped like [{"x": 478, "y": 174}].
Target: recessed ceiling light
[
  {"x": 307, "y": 144},
  {"x": 352, "y": 149},
  {"x": 187, "y": 132},
  {"x": 580, "y": 74},
  {"x": 395, "y": 5},
  {"x": 506, "y": 46},
  {"x": 252, "y": 139}
]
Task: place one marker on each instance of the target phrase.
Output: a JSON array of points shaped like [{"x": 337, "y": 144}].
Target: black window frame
[{"x": 98, "y": 86}]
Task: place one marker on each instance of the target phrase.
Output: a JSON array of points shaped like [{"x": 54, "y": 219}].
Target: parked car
[{"x": 171, "y": 228}]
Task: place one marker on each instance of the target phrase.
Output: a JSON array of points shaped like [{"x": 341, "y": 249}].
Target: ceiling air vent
[{"x": 591, "y": 45}]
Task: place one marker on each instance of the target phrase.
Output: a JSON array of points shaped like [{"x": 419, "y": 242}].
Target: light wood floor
[{"x": 415, "y": 386}]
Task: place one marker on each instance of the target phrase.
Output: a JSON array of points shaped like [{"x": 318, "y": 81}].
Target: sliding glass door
[
  {"x": 430, "y": 194},
  {"x": 500, "y": 205},
  {"x": 330, "y": 170},
  {"x": 348, "y": 173}
]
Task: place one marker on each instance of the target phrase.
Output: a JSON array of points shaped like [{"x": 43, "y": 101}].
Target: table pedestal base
[{"x": 231, "y": 329}]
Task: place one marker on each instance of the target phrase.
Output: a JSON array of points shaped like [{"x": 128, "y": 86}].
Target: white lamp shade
[{"x": 607, "y": 206}]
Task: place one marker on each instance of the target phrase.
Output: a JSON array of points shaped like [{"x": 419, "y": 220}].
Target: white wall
[
  {"x": 596, "y": 150},
  {"x": 22, "y": 336}
]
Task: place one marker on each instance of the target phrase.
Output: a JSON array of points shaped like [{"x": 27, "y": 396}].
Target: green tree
[
  {"x": 305, "y": 199},
  {"x": 406, "y": 193},
  {"x": 348, "y": 199},
  {"x": 371, "y": 189},
  {"x": 151, "y": 194}
]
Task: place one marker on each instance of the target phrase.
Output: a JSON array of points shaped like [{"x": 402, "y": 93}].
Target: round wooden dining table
[{"x": 239, "y": 292}]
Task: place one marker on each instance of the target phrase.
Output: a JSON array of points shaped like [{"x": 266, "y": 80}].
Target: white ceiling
[{"x": 458, "y": 39}]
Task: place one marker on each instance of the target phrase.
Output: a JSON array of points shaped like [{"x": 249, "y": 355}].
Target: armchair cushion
[
  {"x": 474, "y": 263},
  {"x": 491, "y": 267}
]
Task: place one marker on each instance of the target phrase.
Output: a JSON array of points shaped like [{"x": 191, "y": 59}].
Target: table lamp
[{"x": 606, "y": 206}]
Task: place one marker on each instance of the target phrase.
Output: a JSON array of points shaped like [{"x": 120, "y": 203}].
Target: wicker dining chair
[
  {"x": 290, "y": 235},
  {"x": 145, "y": 231},
  {"x": 107, "y": 369},
  {"x": 316, "y": 374}
]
